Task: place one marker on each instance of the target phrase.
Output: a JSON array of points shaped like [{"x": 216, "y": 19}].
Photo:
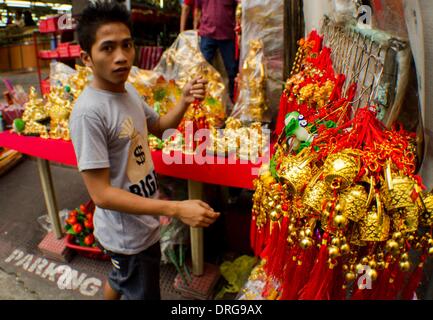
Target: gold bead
[
  {"x": 397, "y": 235},
  {"x": 345, "y": 249},
  {"x": 334, "y": 252},
  {"x": 372, "y": 264},
  {"x": 359, "y": 268},
  {"x": 275, "y": 215},
  {"x": 306, "y": 243},
  {"x": 350, "y": 276},
  {"x": 404, "y": 257},
  {"x": 405, "y": 266},
  {"x": 430, "y": 252},
  {"x": 392, "y": 246},
  {"x": 380, "y": 265},
  {"x": 340, "y": 221},
  {"x": 364, "y": 261},
  {"x": 308, "y": 233},
  {"x": 336, "y": 242}
]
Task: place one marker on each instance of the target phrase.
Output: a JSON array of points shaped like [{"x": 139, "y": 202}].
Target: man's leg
[
  {"x": 208, "y": 48},
  {"x": 227, "y": 49}
]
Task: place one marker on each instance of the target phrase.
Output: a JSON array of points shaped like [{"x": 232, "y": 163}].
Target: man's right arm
[
  {"x": 186, "y": 9},
  {"x": 194, "y": 213}
]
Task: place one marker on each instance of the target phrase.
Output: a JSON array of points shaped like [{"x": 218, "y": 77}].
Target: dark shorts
[{"x": 136, "y": 277}]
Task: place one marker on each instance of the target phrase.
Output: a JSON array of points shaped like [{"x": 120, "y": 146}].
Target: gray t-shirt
[{"x": 109, "y": 130}]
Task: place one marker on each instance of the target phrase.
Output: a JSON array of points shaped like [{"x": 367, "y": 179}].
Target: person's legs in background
[
  {"x": 227, "y": 49},
  {"x": 208, "y": 47}
]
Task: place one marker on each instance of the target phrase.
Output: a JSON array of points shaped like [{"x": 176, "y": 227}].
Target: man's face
[{"x": 112, "y": 54}]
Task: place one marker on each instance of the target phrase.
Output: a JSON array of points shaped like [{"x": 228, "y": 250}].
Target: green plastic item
[{"x": 19, "y": 125}]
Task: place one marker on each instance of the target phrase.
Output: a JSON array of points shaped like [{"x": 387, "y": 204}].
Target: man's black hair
[{"x": 97, "y": 14}]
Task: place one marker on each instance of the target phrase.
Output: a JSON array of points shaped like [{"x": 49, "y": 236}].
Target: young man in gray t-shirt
[{"x": 109, "y": 129}]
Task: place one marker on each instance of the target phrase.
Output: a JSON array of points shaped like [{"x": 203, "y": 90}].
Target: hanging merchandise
[
  {"x": 183, "y": 62},
  {"x": 263, "y": 20},
  {"x": 251, "y": 104},
  {"x": 340, "y": 201}
]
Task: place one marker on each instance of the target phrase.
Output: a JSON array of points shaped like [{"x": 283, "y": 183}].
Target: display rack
[{"x": 59, "y": 51}]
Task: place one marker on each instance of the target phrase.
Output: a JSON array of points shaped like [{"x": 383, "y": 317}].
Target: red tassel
[
  {"x": 317, "y": 287},
  {"x": 301, "y": 271},
  {"x": 384, "y": 282},
  {"x": 268, "y": 253},
  {"x": 414, "y": 281},
  {"x": 398, "y": 277},
  {"x": 288, "y": 273},
  {"x": 338, "y": 292},
  {"x": 281, "y": 250},
  {"x": 260, "y": 242}
]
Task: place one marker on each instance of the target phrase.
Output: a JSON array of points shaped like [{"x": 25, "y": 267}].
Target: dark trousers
[{"x": 209, "y": 46}]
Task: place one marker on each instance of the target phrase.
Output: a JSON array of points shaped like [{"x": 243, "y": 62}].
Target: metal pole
[
  {"x": 50, "y": 197},
  {"x": 195, "y": 192}
]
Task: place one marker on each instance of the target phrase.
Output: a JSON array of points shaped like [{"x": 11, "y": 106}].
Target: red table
[{"x": 230, "y": 172}]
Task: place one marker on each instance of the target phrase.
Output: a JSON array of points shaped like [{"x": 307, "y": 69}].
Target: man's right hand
[{"x": 195, "y": 213}]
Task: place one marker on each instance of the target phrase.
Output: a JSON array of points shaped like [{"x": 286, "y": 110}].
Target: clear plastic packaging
[
  {"x": 251, "y": 104},
  {"x": 264, "y": 20}
]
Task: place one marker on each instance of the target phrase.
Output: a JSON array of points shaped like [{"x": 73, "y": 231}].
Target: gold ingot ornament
[{"x": 341, "y": 169}]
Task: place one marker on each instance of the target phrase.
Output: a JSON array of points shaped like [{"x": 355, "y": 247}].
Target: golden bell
[
  {"x": 400, "y": 195},
  {"x": 375, "y": 226},
  {"x": 315, "y": 195},
  {"x": 295, "y": 173},
  {"x": 355, "y": 237},
  {"x": 426, "y": 216},
  {"x": 410, "y": 217},
  {"x": 343, "y": 167},
  {"x": 354, "y": 201}
]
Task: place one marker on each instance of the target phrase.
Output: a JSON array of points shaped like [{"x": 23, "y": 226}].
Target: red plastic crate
[
  {"x": 53, "y": 54},
  {"x": 52, "y": 24},
  {"x": 88, "y": 252},
  {"x": 43, "y": 26},
  {"x": 45, "y": 54},
  {"x": 45, "y": 86},
  {"x": 63, "y": 50},
  {"x": 74, "y": 50}
]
